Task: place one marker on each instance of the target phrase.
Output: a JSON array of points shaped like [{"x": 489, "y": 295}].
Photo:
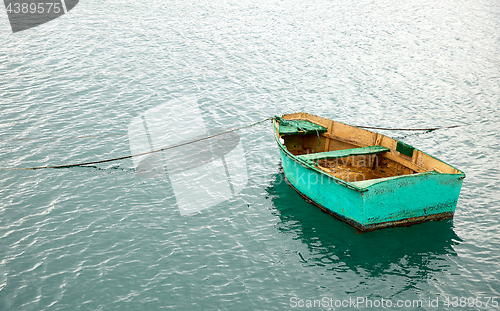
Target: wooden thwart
[
  {"x": 364, "y": 178},
  {"x": 343, "y": 153}
]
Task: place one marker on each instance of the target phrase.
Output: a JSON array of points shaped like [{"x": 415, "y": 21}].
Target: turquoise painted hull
[{"x": 374, "y": 204}]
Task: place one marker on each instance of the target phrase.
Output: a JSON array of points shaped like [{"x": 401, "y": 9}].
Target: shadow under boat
[{"x": 331, "y": 241}]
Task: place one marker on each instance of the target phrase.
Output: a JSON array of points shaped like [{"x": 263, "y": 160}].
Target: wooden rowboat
[{"x": 364, "y": 178}]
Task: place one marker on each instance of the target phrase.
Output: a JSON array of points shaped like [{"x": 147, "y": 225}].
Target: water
[{"x": 103, "y": 238}]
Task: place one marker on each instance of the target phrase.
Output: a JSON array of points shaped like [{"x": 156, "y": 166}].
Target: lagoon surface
[{"x": 104, "y": 238}]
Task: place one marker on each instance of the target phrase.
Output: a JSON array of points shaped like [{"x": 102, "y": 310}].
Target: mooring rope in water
[
  {"x": 136, "y": 155},
  {"x": 412, "y": 129},
  {"x": 430, "y": 129},
  {"x": 275, "y": 117},
  {"x": 196, "y": 140}
]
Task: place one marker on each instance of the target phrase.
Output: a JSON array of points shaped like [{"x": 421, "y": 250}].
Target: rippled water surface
[{"x": 104, "y": 238}]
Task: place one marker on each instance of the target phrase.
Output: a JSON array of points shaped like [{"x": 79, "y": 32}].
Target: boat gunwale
[
  {"x": 350, "y": 185},
  {"x": 406, "y": 222}
]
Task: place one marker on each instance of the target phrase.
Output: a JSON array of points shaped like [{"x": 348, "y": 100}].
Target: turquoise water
[{"x": 104, "y": 238}]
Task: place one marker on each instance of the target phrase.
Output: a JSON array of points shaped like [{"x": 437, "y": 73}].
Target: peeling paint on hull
[
  {"x": 401, "y": 201},
  {"x": 409, "y": 187},
  {"x": 366, "y": 228}
]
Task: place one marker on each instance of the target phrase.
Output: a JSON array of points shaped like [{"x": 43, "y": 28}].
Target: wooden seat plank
[{"x": 343, "y": 153}]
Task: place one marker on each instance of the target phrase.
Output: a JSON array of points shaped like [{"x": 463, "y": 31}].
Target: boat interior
[{"x": 350, "y": 153}]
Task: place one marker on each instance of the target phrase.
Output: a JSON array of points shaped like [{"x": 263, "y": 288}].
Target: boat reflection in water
[{"x": 415, "y": 251}]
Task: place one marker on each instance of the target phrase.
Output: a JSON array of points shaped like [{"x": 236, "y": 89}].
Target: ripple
[{"x": 103, "y": 237}]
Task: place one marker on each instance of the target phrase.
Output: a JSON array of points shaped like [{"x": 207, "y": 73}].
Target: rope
[
  {"x": 411, "y": 129},
  {"x": 279, "y": 119},
  {"x": 289, "y": 122},
  {"x": 293, "y": 123},
  {"x": 423, "y": 129},
  {"x": 135, "y": 155}
]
